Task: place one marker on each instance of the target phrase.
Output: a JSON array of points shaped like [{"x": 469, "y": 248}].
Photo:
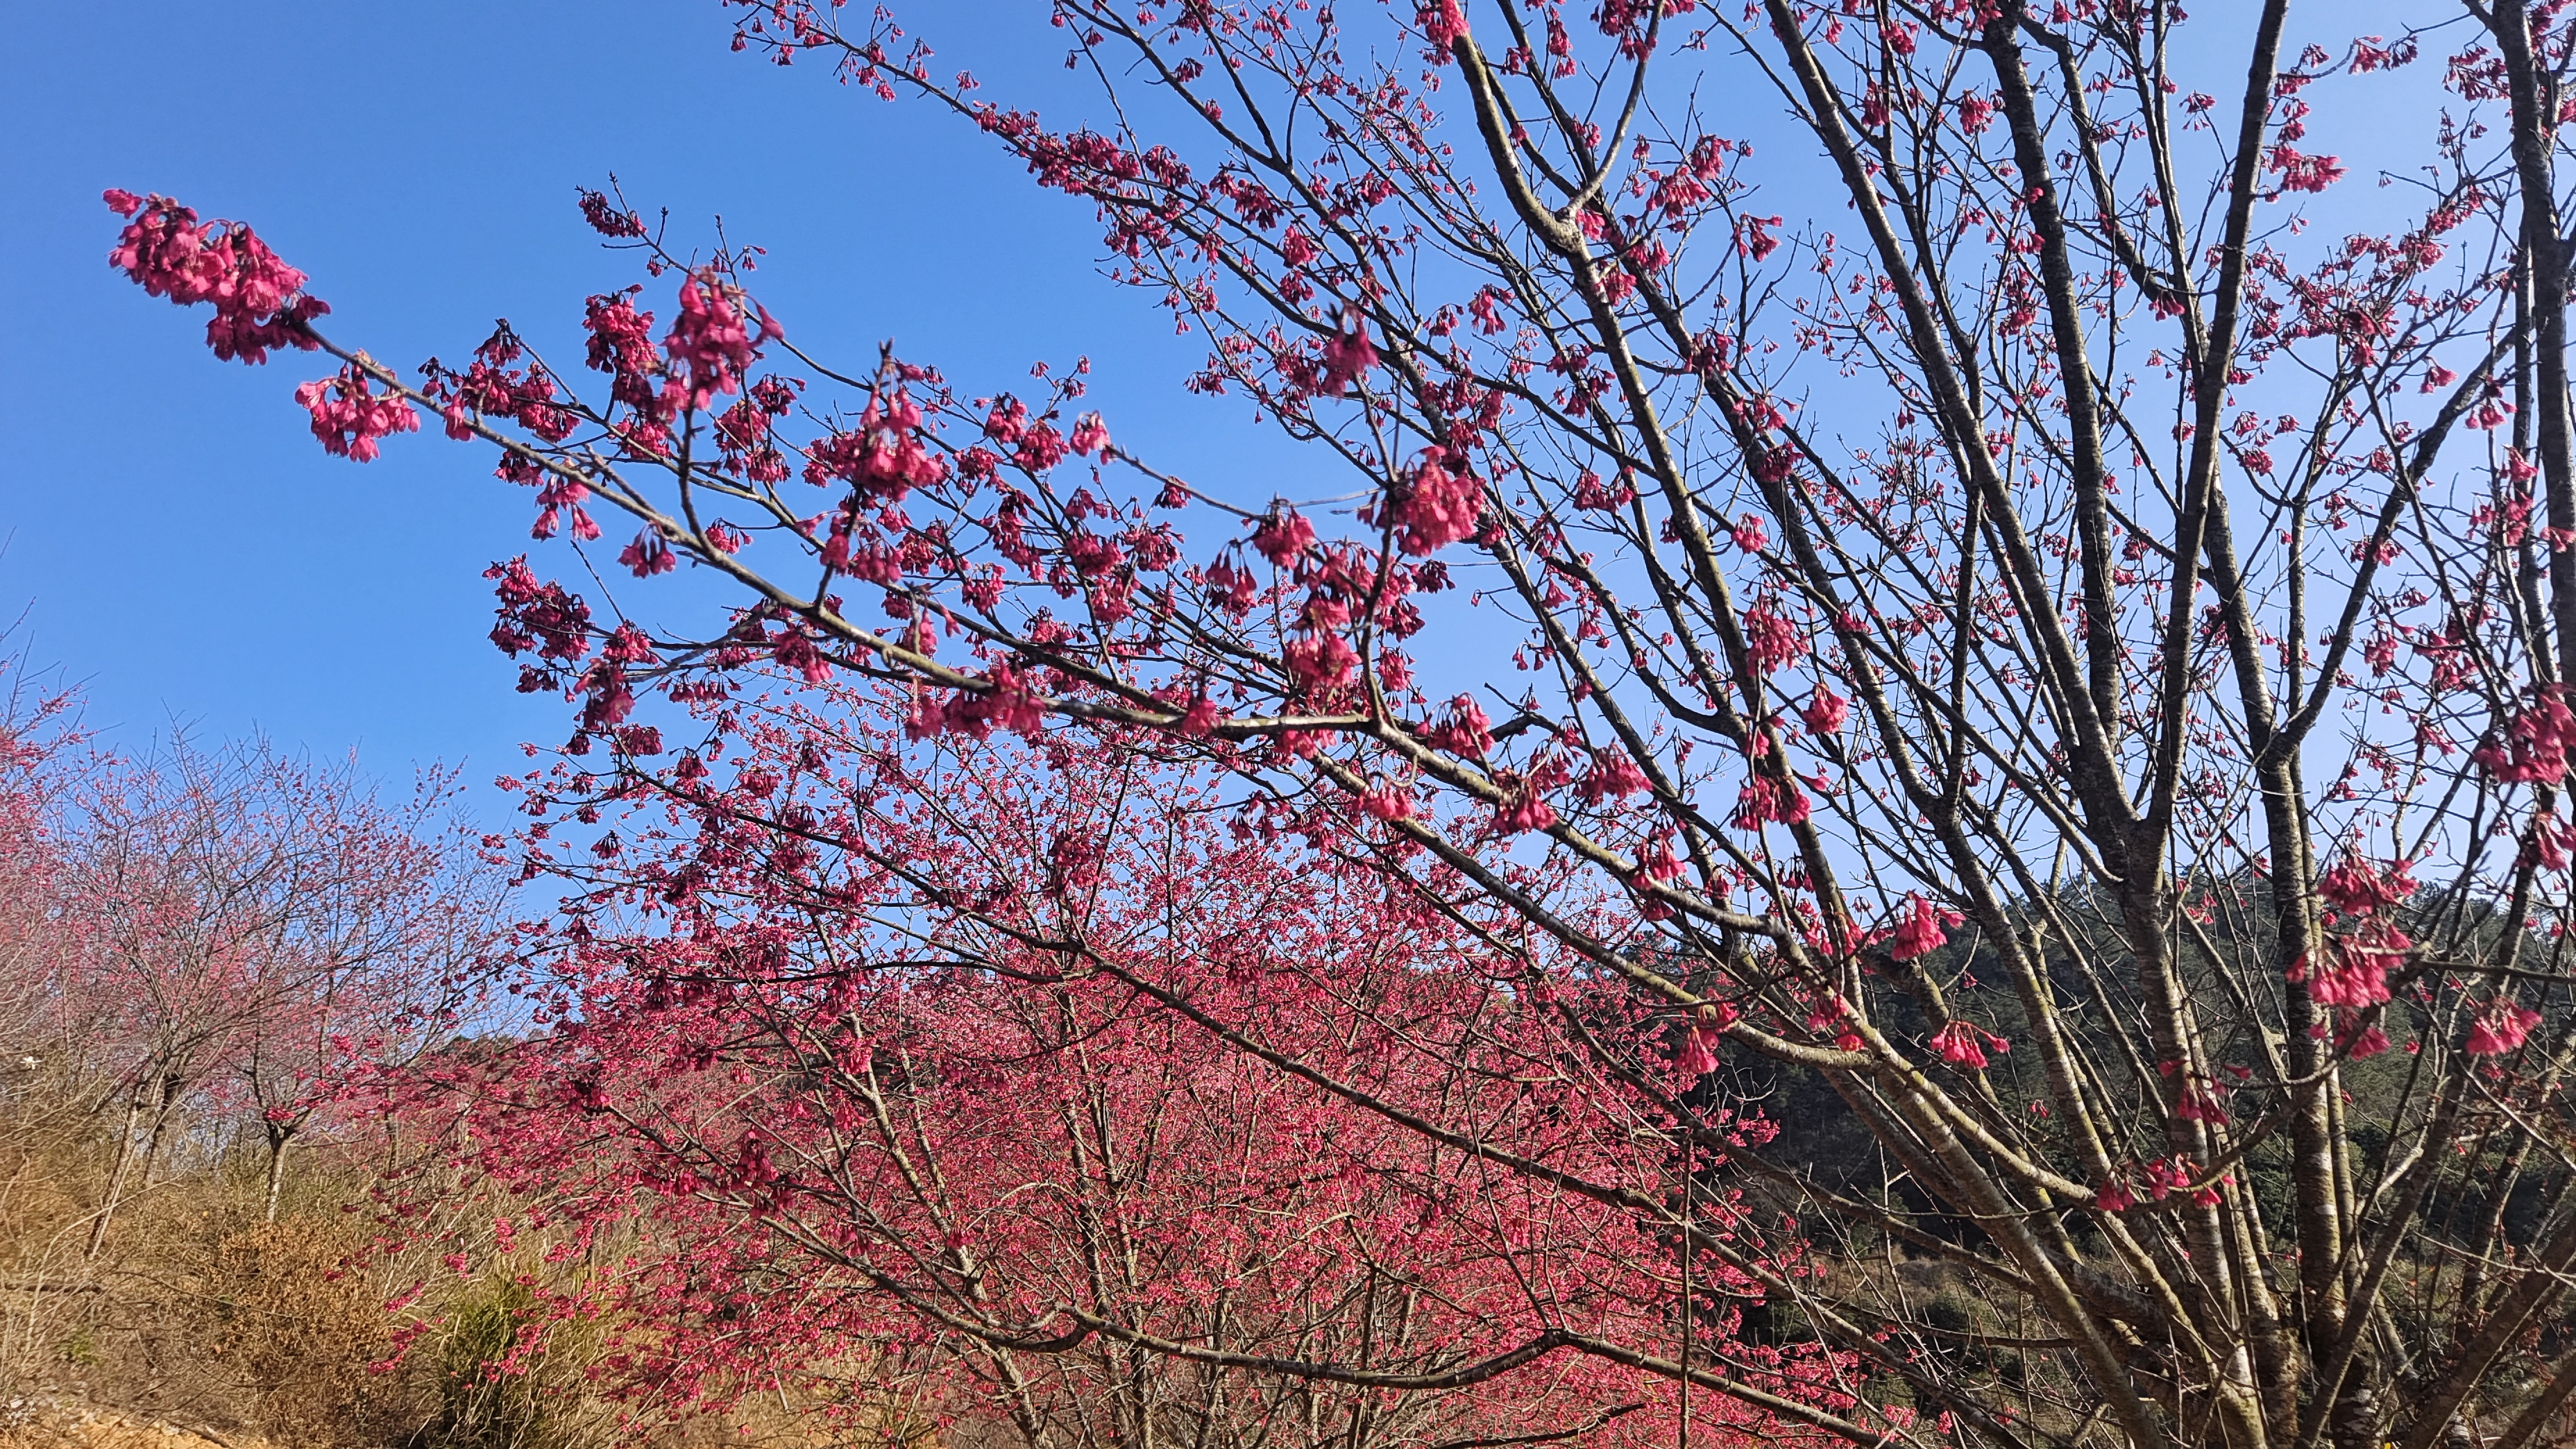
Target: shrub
[{"x": 297, "y": 1326}]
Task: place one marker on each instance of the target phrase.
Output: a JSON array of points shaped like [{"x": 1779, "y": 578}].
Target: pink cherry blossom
[
  {"x": 1348, "y": 355},
  {"x": 2499, "y": 1027},
  {"x": 1967, "y": 1046},
  {"x": 349, "y": 416},
  {"x": 1437, "y": 506},
  {"x": 1922, "y": 930}
]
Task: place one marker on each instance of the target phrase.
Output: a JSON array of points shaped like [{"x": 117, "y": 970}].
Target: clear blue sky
[{"x": 179, "y": 544}]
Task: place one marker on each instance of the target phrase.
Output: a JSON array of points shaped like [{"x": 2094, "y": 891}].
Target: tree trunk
[
  {"x": 115, "y": 1179},
  {"x": 278, "y": 1140},
  {"x": 172, "y": 1087}
]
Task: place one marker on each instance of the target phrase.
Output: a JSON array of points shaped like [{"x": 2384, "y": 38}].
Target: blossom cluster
[{"x": 259, "y": 300}]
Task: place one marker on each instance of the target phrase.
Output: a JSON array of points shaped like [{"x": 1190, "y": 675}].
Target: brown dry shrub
[{"x": 288, "y": 1319}]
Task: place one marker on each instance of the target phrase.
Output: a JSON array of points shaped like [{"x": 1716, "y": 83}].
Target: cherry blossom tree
[
  {"x": 2049, "y": 667},
  {"x": 249, "y": 925},
  {"x": 957, "y": 1068},
  {"x": 37, "y": 737},
  {"x": 411, "y": 956}
]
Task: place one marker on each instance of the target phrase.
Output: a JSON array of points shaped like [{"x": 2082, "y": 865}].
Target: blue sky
[
  {"x": 184, "y": 551},
  {"x": 180, "y": 546}
]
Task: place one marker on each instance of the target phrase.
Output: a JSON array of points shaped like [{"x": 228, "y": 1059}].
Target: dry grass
[
  {"x": 198, "y": 1312},
  {"x": 193, "y": 1311},
  {"x": 201, "y": 1323},
  {"x": 295, "y": 1329},
  {"x": 32, "y": 1425}
]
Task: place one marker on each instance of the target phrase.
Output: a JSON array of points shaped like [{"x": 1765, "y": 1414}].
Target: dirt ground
[{"x": 48, "y": 1424}]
